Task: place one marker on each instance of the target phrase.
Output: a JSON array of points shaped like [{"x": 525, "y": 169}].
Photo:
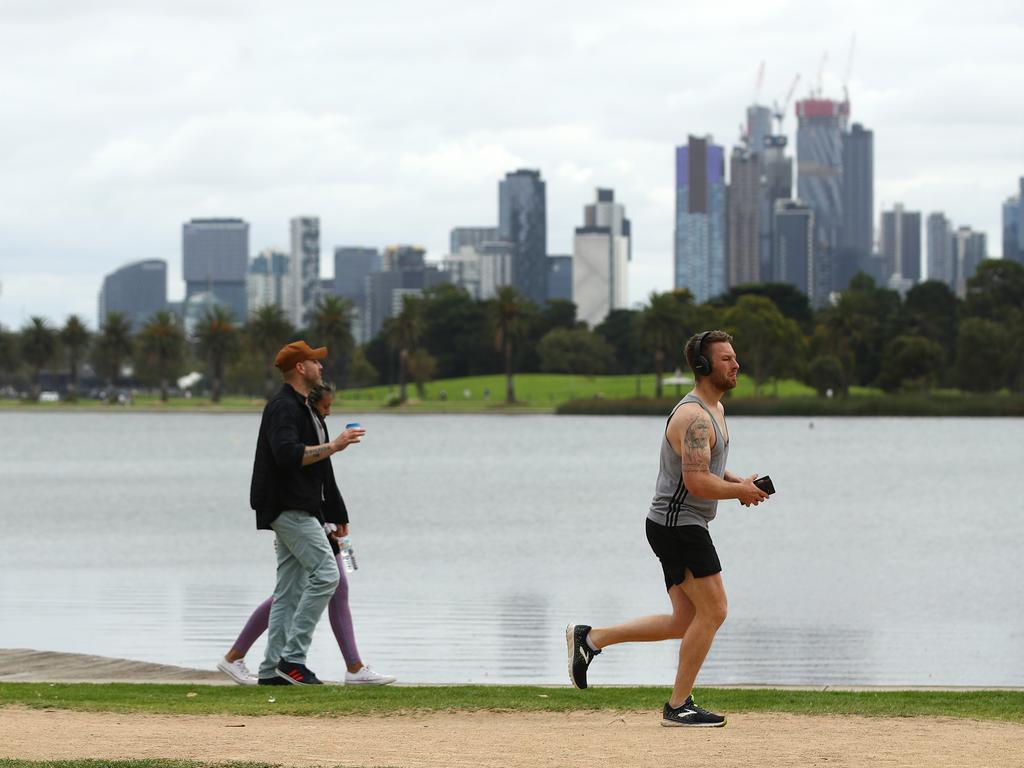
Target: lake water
[{"x": 890, "y": 555}]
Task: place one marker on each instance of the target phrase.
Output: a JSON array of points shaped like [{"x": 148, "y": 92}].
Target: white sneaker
[
  {"x": 366, "y": 676},
  {"x": 237, "y": 671}
]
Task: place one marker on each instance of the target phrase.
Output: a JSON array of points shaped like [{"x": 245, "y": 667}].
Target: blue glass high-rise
[
  {"x": 522, "y": 221},
  {"x": 700, "y": 219}
]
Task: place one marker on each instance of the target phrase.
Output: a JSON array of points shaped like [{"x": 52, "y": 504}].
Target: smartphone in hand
[{"x": 765, "y": 484}]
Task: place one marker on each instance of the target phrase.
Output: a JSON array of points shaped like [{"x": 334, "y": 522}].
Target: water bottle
[{"x": 348, "y": 555}]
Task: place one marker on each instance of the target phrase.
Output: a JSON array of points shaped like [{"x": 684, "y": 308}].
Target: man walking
[
  {"x": 288, "y": 488},
  {"x": 691, "y": 479}
]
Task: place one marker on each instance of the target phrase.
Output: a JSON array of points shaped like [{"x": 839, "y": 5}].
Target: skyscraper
[
  {"x": 601, "y": 255},
  {"x": 405, "y": 273},
  {"x": 745, "y": 201},
  {"x": 560, "y": 277},
  {"x": 819, "y": 157},
  {"x": 777, "y": 168},
  {"x": 700, "y": 219},
  {"x": 215, "y": 258},
  {"x": 472, "y": 236},
  {"x": 305, "y": 267},
  {"x": 268, "y": 282},
  {"x": 901, "y": 244},
  {"x": 522, "y": 221},
  {"x": 794, "y": 245},
  {"x": 482, "y": 269},
  {"x": 858, "y": 204},
  {"x": 497, "y": 259},
  {"x": 940, "y": 249},
  {"x": 397, "y": 258},
  {"x": 136, "y": 290},
  {"x": 759, "y": 128},
  {"x": 351, "y": 266},
  {"x": 969, "y": 250},
  {"x": 1013, "y": 226}
]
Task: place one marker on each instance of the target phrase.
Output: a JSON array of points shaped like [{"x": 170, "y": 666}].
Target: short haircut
[
  {"x": 691, "y": 352},
  {"x": 318, "y": 392}
]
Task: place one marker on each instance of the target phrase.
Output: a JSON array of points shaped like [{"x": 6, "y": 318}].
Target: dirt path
[{"x": 583, "y": 739}]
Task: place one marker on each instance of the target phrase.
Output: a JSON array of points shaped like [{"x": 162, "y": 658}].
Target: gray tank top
[{"x": 673, "y": 504}]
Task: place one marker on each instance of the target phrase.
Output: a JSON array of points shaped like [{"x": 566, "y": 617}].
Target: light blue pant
[{"x": 307, "y": 576}]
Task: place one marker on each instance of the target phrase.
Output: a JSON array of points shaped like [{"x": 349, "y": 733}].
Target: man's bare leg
[
  {"x": 649, "y": 629},
  {"x": 707, "y": 595}
]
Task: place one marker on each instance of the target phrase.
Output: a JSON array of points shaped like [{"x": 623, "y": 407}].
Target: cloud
[
  {"x": 462, "y": 161},
  {"x": 122, "y": 120}
]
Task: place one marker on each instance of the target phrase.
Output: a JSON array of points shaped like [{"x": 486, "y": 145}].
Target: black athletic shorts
[{"x": 681, "y": 547}]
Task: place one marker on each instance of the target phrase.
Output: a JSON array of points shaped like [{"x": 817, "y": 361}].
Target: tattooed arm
[
  {"x": 315, "y": 453},
  {"x": 695, "y": 433}
]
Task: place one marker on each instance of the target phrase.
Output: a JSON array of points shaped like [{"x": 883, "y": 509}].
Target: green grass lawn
[
  {"x": 339, "y": 701},
  {"x": 535, "y": 392},
  {"x": 547, "y": 390}
]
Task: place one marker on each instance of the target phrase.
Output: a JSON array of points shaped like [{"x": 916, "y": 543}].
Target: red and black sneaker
[{"x": 296, "y": 674}]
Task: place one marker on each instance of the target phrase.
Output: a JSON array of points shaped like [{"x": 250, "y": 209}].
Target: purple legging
[{"x": 337, "y": 611}]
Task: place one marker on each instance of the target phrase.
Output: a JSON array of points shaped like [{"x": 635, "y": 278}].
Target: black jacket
[{"x": 279, "y": 481}]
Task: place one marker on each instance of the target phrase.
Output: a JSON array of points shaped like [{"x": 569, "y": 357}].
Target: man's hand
[
  {"x": 339, "y": 532},
  {"x": 347, "y": 438},
  {"x": 750, "y": 494}
]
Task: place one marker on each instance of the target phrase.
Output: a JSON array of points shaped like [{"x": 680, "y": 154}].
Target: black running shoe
[
  {"x": 272, "y": 681},
  {"x": 296, "y": 674},
  {"x": 580, "y": 654},
  {"x": 689, "y": 714}
]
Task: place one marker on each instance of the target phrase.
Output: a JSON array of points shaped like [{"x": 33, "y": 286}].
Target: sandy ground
[
  {"x": 516, "y": 740},
  {"x": 581, "y": 739}
]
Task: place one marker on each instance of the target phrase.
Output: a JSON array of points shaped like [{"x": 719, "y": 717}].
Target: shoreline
[{"x": 26, "y": 665}]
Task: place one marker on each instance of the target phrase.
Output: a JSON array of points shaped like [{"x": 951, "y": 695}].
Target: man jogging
[
  {"x": 288, "y": 489},
  {"x": 691, "y": 479}
]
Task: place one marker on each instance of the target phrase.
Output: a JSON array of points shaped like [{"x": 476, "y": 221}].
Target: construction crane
[
  {"x": 849, "y": 68},
  {"x": 821, "y": 74},
  {"x": 758, "y": 83},
  {"x": 780, "y": 112}
]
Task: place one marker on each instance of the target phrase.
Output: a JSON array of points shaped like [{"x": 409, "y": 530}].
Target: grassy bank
[
  {"x": 535, "y": 392},
  {"x": 338, "y": 701},
  {"x": 592, "y": 395},
  {"x": 855, "y": 405}
]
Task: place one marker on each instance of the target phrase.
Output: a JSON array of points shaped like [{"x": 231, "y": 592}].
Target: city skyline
[{"x": 229, "y": 119}]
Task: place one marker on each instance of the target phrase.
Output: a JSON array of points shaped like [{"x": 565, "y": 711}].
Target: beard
[
  {"x": 723, "y": 382},
  {"x": 312, "y": 376}
]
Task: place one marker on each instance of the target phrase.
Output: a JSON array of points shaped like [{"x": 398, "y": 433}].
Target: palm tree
[
  {"x": 8, "y": 351},
  {"x": 75, "y": 337},
  {"x": 403, "y": 333},
  {"x": 332, "y": 325},
  {"x": 38, "y": 347},
  {"x": 509, "y": 315},
  {"x": 217, "y": 336},
  {"x": 162, "y": 342},
  {"x": 660, "y": 325},
  {"x": 113, "y": 347},
  {"x": 267, "y": 331},
  {"x": 422, "y": 366}
]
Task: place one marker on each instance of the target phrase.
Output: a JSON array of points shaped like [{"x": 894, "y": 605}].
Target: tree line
[{"x": 870, "y": 336}]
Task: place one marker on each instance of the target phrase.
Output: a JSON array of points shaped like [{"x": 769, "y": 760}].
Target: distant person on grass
[
  {"x": 691, "y": 479},
  {"x": 320, "y": 399},
  {"x": 291, "y": 478}
]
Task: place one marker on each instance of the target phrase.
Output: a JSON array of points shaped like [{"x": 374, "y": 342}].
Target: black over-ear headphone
[{"x": 701, "y": 365}]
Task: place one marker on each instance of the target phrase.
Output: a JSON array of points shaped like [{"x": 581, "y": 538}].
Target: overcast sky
[{"x": 393, "y": 121}]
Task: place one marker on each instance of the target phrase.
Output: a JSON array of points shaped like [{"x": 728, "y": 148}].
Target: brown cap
[{"x": 297, "y": 352}]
